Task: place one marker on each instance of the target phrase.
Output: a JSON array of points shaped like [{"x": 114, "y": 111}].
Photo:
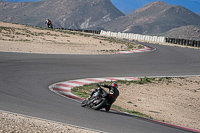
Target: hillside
[
  {"x": 76, "y": 14},
  {"x": 190, "y": 32},
  {"x": 153, "y": 19},
  {"x": 156, "y": 18}
]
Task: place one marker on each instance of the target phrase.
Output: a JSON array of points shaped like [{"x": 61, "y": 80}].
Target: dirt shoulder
[
  {"x": 14, "y": 123},
  {"x": 175, "y": 101},
  {"x": 21, "y": 38}
]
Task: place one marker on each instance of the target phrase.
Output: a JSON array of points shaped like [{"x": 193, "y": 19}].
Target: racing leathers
[{"x": 113, "y": 94}]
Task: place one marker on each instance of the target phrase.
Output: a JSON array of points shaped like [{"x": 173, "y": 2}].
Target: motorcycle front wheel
[
  {"x": 84, "y": 103},
  {"x": 100, "y": 104}
]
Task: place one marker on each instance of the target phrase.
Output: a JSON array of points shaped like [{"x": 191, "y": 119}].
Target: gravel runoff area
[
  {"x": 175, "y": 101},
  {"x": 15, "y": 123}
]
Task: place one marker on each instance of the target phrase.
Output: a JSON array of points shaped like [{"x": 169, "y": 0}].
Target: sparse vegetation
[
  {"x": 163, "y": 81},
  {"x": 26, "y": 34},
  {"x": 131, "y": 112},
  {"x": 129, "y": 102},
  {"x": 23, "y": 34},
  {"x": 128, "y": 45},
  {"x": 85, "y": 90}
]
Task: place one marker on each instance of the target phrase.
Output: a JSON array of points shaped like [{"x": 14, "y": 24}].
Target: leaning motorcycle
[{"x": 98, "y": 100}]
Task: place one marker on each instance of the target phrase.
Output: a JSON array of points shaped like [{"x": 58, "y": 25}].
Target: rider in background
[
  {"x": 48, "y": 23},
  {"x": 113, "y": 94}
]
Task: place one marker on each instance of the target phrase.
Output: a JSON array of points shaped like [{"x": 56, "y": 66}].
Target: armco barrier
[
  {"x": 132, "y": 36},
  {"x": 161, "y": 39},
  {"x": 81, "y": 30},
  {"x": 184, "y": 42}
]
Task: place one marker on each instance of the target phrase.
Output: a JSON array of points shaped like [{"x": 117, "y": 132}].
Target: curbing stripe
[
  {"x": 94, "y": 80},
  {"x": 64, "y": 88},
  {"x": 73, "y": 97},
  {"x": 146, "y": 49},
  {"x": 77, "y": 82},
  {"x": 65, "y": 85},
  {"x": 58, "y": 89}
]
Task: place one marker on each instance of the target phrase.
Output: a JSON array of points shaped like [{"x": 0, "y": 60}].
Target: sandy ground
[
  {"x": 20, "y": 38},
  {"x": 175, "y": 101},
  {"x": 13, "y": 123}
]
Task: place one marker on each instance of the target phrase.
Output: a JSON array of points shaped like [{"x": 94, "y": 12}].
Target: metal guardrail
[
  {"x": 192, "y": 43},
  {"x": 81, "y": 30}
]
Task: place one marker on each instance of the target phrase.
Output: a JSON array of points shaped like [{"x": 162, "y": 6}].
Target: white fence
[{"x": 133, "y": 36}]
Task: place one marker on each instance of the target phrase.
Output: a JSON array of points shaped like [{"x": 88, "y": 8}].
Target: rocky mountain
[
  {"x": 154, "y": 19},
  {"x": 76, "y": 14},
  {"x": 190, "y": 32}
]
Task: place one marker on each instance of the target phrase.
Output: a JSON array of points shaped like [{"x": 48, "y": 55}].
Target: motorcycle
[
  {"x": 50, "y": 26},
  {"x": 98, "y": 100}
]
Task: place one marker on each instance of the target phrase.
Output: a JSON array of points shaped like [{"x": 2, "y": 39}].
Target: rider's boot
[{"x": 107, "y": 107}]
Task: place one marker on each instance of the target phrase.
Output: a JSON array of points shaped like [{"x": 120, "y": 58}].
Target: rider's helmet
[{"x": 115, "y": 85}]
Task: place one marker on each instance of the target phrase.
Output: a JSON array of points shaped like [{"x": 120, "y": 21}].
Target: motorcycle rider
[
  {"x": 48, "y": 23},
  {"x": 113, "y": 94}
]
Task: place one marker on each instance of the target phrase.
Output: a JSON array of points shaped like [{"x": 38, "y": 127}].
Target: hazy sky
[{"x": 128, "y": 6}]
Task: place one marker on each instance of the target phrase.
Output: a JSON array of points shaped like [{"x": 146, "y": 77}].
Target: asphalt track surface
[{"x": 25, "y": 78}]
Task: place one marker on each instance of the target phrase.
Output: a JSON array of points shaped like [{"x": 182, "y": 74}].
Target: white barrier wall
[{"x": 133, "y": 36}]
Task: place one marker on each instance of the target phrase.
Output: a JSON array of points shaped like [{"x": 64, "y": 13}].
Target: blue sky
[{"x": 128, "y": 6}]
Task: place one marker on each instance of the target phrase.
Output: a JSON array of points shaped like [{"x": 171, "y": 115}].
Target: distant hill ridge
[
  {"x": 64, "y": 13},
  {"x": 156, "y": 18}
]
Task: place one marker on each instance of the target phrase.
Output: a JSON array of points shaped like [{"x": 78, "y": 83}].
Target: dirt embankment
[{"x": 21, "y": 38}]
